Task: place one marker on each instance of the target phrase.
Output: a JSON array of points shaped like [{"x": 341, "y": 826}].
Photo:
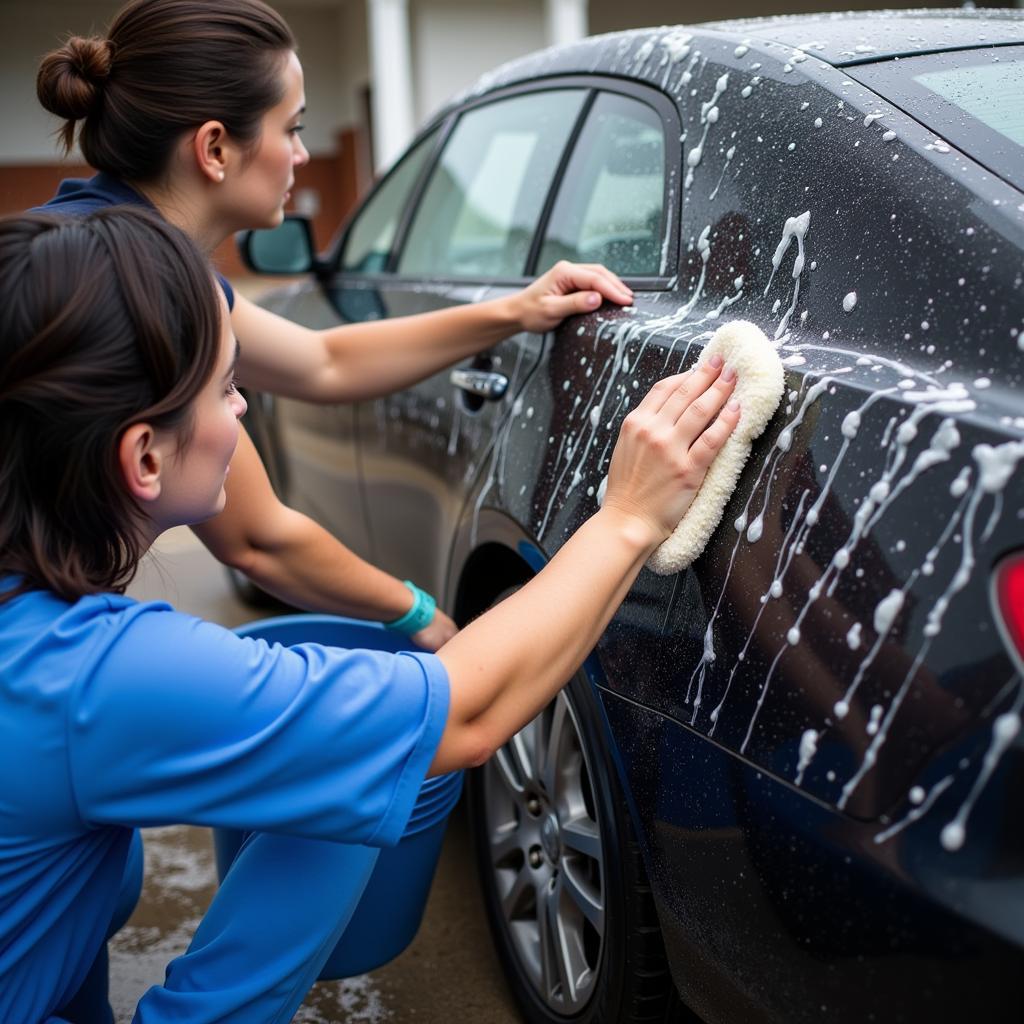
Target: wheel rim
[{"x": 546, "y": 856}]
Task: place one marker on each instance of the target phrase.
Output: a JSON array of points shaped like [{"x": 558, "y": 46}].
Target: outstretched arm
[
  {"x": 366, "y": 360},
  {"x": 505, "y": 666},
  {"x": 288, "y": 555}
]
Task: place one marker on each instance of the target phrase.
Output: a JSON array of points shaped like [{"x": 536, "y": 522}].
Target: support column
[
  {"x": 391, "y": 69},
  {"x": 565, "y": 21}
]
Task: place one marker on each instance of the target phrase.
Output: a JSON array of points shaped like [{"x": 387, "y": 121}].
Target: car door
[
  {"x": 616, "y": 205},
  {"x": 320, "y": 475},
  {"x": 807, "y": 699},
  {"x": 468, "y": 238}
]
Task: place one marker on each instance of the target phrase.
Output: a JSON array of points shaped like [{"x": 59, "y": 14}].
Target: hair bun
[{"x": 70, "y": 79}]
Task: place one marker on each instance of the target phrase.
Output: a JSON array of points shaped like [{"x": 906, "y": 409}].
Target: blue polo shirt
[
  {"x": 116, "y": 714},
  {"x": 78, "y": 196}
]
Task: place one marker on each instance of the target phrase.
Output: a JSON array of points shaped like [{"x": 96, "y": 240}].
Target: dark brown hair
[
  {"x": 105, "y": 321},
  {"x": 166, "y": 66}
]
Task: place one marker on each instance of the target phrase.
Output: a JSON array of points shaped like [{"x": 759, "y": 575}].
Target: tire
[{"x": 551, "y": 837}]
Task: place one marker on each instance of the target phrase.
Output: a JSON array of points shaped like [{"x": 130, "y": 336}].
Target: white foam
[
  {"x": 876, "y": 718},
  {"x": 887, "y": 610},
  {"x": 808, "y": 748},
  {"x": 997, "y": 464}
]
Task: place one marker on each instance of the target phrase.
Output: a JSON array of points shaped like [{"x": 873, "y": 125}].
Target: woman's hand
[
  {"x": 567, "y": 289},
  {"x": 508, "y": 663},
  {"x": 440, "y": 630},
  {"x": 667, "y": 444}
]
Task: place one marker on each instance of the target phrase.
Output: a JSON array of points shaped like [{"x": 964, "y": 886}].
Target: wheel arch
[{"x": 491, "y": 553}]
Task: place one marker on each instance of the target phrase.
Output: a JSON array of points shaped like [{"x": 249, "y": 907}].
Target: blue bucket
[{"x": 391, "y": 907}]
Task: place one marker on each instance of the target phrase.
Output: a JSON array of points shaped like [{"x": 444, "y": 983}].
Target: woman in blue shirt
[
  {"x": 194, "y": 107},
  {"x": 118, "y": 420}
]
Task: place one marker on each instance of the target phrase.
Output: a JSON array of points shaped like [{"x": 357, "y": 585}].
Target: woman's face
[
  {"x": 262, "y": 188},
  {"x": 192, "y": 480}
]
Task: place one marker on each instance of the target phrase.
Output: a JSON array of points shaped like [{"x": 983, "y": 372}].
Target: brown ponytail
[
  {"x": 167, "y": 66},
  {"x": 105, "y": 321}
]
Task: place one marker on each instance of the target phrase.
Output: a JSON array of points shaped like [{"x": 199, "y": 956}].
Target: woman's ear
[
  {"x": 210, "y": 146},
  {"x": 141, "y": 462}
]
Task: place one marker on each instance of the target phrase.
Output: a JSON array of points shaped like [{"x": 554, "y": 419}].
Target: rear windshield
[{"x": 972, "y": 98}]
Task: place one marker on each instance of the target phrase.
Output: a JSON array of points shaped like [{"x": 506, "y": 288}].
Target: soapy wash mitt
[{"x": 760, "y": 383}]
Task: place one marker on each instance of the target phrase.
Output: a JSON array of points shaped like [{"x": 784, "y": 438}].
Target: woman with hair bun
[
  {"x": 194, "y": 107},
  {"x": 118, "y": 420}
]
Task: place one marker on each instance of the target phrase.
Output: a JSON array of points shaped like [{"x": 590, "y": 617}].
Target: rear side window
[
  {"x": 972, "y": 98},
  {"x": 373, "y": 232},
  {"x": 610, "y": 206},
  {"x": 480, "y": 210}
]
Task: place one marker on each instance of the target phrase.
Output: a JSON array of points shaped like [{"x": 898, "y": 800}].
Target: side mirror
[{"x": 286, "y": 249}]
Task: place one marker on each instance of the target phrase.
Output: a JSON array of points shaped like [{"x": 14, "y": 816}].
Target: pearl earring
[{"x": 220, "y": 177}]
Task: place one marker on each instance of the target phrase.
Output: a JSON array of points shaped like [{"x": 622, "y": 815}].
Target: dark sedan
[{"x": 788, "y": 785}]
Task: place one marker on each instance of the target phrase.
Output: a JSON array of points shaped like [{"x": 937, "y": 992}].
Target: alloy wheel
[{"x": 546, "y": 855}]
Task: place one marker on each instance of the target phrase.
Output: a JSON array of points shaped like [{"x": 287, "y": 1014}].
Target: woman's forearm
[
  {"x": 354, "y": 362},
  {"x": 289, "y": 555},
  {"x": 305, "y": 566},
  {"x": 504, "y": 667},
  {"x": 416, "y": 347},
  {"x": 507, "y": 665}
]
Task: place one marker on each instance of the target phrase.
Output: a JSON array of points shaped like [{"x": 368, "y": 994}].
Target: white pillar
[
  {"x": 565, "y": 21},
  {"x": 391, "y": 69}
]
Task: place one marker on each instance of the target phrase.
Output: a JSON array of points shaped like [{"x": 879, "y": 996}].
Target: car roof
[
  {"x": 834, "y": 40},
  {"x": 857, "y": 37}
]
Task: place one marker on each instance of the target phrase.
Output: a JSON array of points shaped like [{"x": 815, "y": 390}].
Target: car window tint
[
  {"x": 610, "y": 204},
  {"x": 372, "y": 233},
  {"x": 480, "y": 210}
]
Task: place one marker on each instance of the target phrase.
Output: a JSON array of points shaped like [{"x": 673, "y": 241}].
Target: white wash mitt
[{"x": 760, "y": 383}]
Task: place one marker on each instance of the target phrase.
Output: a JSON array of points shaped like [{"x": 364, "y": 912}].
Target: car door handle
[{"x": 482, "y": 383}]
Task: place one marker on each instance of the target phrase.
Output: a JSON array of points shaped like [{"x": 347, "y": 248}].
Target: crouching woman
[{"x": 118, "y": 420}]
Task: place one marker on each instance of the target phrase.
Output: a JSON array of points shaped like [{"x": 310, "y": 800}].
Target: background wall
[{"x": 456, "y": 41}]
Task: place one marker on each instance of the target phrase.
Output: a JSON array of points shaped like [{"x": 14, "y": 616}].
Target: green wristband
[{"x": 419, "y": 616}]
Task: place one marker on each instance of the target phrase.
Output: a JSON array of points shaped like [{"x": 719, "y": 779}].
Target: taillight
[{"x": 1009, "y": 595}]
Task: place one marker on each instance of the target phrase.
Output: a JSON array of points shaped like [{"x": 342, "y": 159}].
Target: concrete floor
[{"x": 450, "y": 971}]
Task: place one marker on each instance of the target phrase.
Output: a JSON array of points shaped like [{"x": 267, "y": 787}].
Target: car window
[
  {"x": 480, "y": 211},
  {"x": 971, "y": 98},
  {"x": 611, "y": 200},
  {"x": 373, "y": 231}
]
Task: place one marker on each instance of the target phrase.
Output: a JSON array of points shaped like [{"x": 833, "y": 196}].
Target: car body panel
[
  {"x": 423, "y": 448},
  {"x": 321, "y": 475},
  {"x": 776, "y": 908},
  {"x": 815, "y": 719}
]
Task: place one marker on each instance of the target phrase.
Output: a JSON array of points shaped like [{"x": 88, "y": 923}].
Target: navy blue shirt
[
  {"x": 116, "y": 714},
  {"x": 79, "y": 196}
]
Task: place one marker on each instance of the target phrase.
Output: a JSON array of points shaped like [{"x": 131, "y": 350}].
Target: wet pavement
[{"x": 449, "y": 971}]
